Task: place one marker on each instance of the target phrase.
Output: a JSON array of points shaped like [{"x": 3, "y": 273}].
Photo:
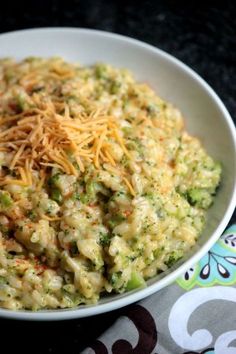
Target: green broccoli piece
[
  {"x": 101, "y": 71},
  {"x": 5, "y": 200},
  {"x": 115, "y": 87},
  {"x": 3, "y": 281},
  {"x": 174, "y": 256},
  {"x": 104, "y": 239},
  {"x": 115, "y": 220},
  {"x": 56, "y": 195},
  {"x": 136, "y": 281},
  {"x": 21, "y": 102},
  {"x": 199, "y": 197},
  {"x": 115, "y": 279},
  {"x": 53, "y": 180}
]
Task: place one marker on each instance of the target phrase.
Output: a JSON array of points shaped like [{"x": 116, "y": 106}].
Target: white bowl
[{"x": 206, "y": 117}]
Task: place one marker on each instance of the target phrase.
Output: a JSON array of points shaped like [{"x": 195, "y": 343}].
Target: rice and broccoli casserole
[{"x": 101, "y": 187}]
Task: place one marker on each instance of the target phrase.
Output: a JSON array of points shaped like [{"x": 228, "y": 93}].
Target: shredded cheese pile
[{"x": 41, "y": 138}]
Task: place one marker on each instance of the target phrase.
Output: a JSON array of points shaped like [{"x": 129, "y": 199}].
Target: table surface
[{"x": 200, "y": 34}]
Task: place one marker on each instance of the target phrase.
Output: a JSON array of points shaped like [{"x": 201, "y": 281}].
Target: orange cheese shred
[{"x": 42, "y": 137}]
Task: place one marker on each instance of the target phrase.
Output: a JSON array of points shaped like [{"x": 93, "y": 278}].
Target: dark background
[{"x": 200, "y": 33}]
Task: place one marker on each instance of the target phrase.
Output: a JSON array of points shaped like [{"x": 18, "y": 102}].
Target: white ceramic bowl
[{"x": 206, "y": 117}]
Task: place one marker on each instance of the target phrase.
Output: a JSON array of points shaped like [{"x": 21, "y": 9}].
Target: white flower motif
[{"x": 185, "y": 306}]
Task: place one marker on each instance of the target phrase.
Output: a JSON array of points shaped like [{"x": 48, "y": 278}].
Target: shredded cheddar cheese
[{"x": 52, "y": 139}]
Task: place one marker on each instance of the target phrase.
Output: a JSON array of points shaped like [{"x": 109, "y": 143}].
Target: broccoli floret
[
  {"x": 115, "y": 220},
  {"x": 104, "y": 239},
  {"x": 136, "y": 281},
  {"x": 115, "y": 87},
  {"x": 173, "y": 258},
  {"x": 53, "y": 180},
  {"x": 101, "y": 71},
  {"x": 115, "y": 281},
  {"x": 56, "y": 195},
  {"x": 3, "y": 281},
  {"x": 32, "y": 215},
  {"x": 199, "y": 197},
  {"x": 5, "y": 200}
]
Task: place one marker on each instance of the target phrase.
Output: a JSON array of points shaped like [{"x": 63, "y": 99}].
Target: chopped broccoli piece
[
  {"x": 157, "y": 252},
  {"x": 76, "y": 196},
  {"x": 136, "y": 281},
  {"x": 104, "y": 239},
  {"x": 152, "y": 110},
  {"x": 52, "y": 181},
  {"x": 173, "y": 257},
  {"x": 135, "y": 144},
  {"x": 32, "y": 215},
  {"x": 84, "y": 198},
  {"x": 21, "y": 102},
  {"x": 56, "y": 195},
  {"x": 115, "y": 220},
  {"x": 199, "y": 197},
  {"x": 2, "y": 281},
  {"x": 115, "y": 86},
  {"x": 91, "y": 189},
  {"x": 5, "y": 200},
  {"x": 114, "y": 279},
  {"x": 101, "y": 71}
]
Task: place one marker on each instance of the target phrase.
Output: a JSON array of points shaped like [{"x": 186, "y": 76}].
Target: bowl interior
[{"x": 206, "y": 117}]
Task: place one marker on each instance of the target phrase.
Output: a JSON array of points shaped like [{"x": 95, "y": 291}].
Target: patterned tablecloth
[{"x": 196, "y": 314}]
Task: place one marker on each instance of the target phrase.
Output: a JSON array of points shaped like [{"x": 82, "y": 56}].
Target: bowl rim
[{"x": 90, "y": 310}]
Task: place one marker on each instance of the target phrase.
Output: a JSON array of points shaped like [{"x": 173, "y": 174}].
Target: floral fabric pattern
[{"x": 218, "y": 266}]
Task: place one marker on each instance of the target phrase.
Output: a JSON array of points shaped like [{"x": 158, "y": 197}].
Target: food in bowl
[{"x": 101, "y": 186}]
